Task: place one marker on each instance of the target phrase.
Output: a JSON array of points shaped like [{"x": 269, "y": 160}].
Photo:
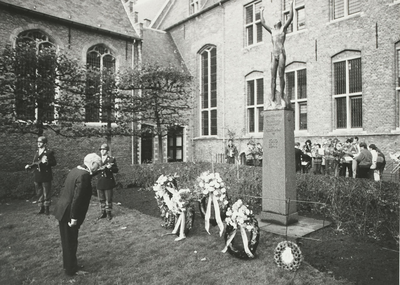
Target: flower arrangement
[
  {"x": 164, "y": 189},
  {"x": 288, "y": 255},
  {"x": 240, "y": 217},
  {"x": 212, "y": 188}
]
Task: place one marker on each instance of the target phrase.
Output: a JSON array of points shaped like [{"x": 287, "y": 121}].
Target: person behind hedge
[
  {"x": 231, "y": 152},
  {"x": 306, "y": 159},
  {"x": 43, "y": 161},
  {"x": 71, "y": 209},
  {"x": 364, "y": 162},
  {"x": 106, "y": 182},
  {"x": 297, "y": 156},
  {"x": 378, "y": 163},
  {"x": 346, "y": 160},
  {"x": 318, "y": 154}
]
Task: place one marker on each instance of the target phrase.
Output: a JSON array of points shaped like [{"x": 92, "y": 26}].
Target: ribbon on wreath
[
  {"x": 244, "y": 239},
  {"x": 214, "y": 200},
  {"x": 180, "y": 225}
]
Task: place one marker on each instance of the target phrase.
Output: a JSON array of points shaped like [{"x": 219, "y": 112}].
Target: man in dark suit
[
  {"x": 297, "y": 155},
  {"x": 72, "y": 207},
  {"x": 106, "y": 181},
  {"x": 42, "y": 162}
]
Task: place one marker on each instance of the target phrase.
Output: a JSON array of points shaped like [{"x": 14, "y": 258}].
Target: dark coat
[
  {"x": 106, "y": 180},
  {"x": 75, "y": 196},
  {"x": 42, "y": 171}
]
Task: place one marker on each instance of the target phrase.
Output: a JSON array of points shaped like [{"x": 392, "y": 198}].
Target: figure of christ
[{"x": 278, "y": 36}]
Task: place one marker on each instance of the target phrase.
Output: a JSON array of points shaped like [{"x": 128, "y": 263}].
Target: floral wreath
[
  {"x": 288, "y": 255},
  {"x": 174, "y": 205},
  {"x": 210, "y": 186},
  {"x": 239, "y": 216}
]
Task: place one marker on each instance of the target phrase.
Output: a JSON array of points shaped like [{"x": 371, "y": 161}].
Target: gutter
[
  {"x": 67, "y": 22},
  {"x": 197, "y": 14}
]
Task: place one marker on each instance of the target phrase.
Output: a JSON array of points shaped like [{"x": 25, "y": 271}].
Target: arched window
[
  {"x": 208, "y": 89},
  {"x": 347, "y": 89},
  {"x": 35, "y": 69},
  {"x": 98, "y": 101},
  {"x": 255, "y": 101}
]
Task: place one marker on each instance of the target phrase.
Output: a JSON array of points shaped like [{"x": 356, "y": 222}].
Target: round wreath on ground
[
  {"x": 240, "y": 217},
  {"x": 172, "y": 203},
  {"x": 212, "y": 193},
  {"x": 288, "y": 255}
]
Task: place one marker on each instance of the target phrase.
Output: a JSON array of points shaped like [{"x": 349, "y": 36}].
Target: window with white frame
[
  {"x": 345, "y": 8},
  {"x": 101, "y": 58},
  {"x": 255, "y": 105},
  {"x": 397, "y": 56},
  {"x": 253, "y": 25},
  {"x": 347, "y": 93},
  {"x": 208, "y": 95},
  {"x": 296, "y": 88},
  {"x": 36, "y": 68},
  {"x": 299, "y": 15},
  {"x": 194, "y": 6}
]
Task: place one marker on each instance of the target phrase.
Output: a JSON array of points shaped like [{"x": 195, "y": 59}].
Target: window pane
[
  {"x": 259, "y": 32},
  {"x": 290, "y": 85},
  {"x": 340, "y": 77},
  {"x": 249, "y": 14},
  {"x": 355, "y": 81},
  {"x": 354, "y": 6},
  {"x": 341, "y": 117},
  {"x": 204, "y": 123},
  {"x": 302, "y": 84},
  {"x": 213, "y": 78},
  {"x": 109, "y": 62},
  {"x": 260, "y": 91},
  {"x": 301, "y": 19},
  {"x": 204, "y": 79},
  {"x": 356, "y": 112},
  {"x": 213, "y": 122},
  {"x": 249, "y": 30},
  {"x": 250, "y": 93},
  {"x": 303, "y": 116},
  {"x": 257, "y": 10},
  {"x": 338, "y": 9},
  {"x": 250, "y": 113},
  {"x": 260, "y": 119},
  {"x": 93, "y": 59}
]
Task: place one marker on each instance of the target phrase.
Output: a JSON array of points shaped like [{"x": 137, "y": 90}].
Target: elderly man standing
[
  {"x": 364, "y": 162},
  {"x": 72, "y": 207},
  {"x": 41, "y": 166}
]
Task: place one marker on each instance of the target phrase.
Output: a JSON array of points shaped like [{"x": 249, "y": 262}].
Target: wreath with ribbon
[
  {"x": 288, "y": 255},
  {"x": 240, "y": 217},
  {"x": 211, "y": 191},
  {"x": 175, "y": 207}
]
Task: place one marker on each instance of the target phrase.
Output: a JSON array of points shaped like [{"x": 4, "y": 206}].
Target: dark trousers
[
  {"x": 363, "y": 172},
  {"x": 43, "y": 193},
  {"x": 105, "y": 197},
  {"x": 69, "y": 243},
  {"x": 344, "y": 168}
]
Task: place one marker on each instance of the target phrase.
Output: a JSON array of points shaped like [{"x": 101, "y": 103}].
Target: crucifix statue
[{"x": 278, "y": 36}]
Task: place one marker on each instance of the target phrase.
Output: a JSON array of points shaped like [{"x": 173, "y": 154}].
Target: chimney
[
  {"x": 135, "y": 17},
  {"x": 147, "y": 23}
]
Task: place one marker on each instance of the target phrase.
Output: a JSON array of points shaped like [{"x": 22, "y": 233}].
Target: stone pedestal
[{"x": 279, "y": 171}]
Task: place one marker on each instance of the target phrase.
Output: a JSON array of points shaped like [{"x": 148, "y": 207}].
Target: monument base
[{"x": 279, "y": 219}]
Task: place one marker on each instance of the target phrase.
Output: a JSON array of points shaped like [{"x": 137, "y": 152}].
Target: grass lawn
[{"x": 132, "y": 249}]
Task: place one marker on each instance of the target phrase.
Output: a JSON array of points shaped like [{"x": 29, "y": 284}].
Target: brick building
[{"x": 342, "y": 68}]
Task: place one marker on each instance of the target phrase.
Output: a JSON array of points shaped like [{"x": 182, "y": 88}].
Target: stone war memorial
[{"x": 279, "y": 174}]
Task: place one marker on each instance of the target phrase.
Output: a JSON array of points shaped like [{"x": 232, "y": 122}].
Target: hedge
[{"x": 360, "y": 206}]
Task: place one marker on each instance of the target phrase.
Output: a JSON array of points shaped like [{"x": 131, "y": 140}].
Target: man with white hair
[{"x": 72, "y": 207}]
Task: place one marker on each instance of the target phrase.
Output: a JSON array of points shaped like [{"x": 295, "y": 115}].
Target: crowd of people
[{"x": 350, "y": 158}]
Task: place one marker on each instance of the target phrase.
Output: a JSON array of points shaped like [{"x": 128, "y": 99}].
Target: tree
[{"x": 163, "y": 96}]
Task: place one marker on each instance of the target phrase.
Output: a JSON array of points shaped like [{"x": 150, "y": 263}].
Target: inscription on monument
[
  {"x": 273, "y": 143},
  {"x": 273, "y": 124}
]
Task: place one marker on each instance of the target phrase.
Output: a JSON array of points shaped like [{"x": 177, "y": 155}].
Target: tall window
[
  {"x": 253, "y": 23},
  {"x": 194, "y": 6},
  {"x": 98, "y": 57},
  {"x": 35, "y": 68},
  {"x": 398, "y": 80},
  {"x": 297, "y": 91},
  {"x": 209, "y": 91},
  {"x": 344, "y": 8},
  {"x": 255, "y": 105},
  {"x": 347, "y": 93},
  {"x": 299, "y": 15}
]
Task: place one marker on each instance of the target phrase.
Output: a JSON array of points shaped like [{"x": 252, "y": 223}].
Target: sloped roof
[
  {"x": 149, "y": 9},
  {"x": 158, "y": 47},
  {"x": 107, "y": 15}
]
